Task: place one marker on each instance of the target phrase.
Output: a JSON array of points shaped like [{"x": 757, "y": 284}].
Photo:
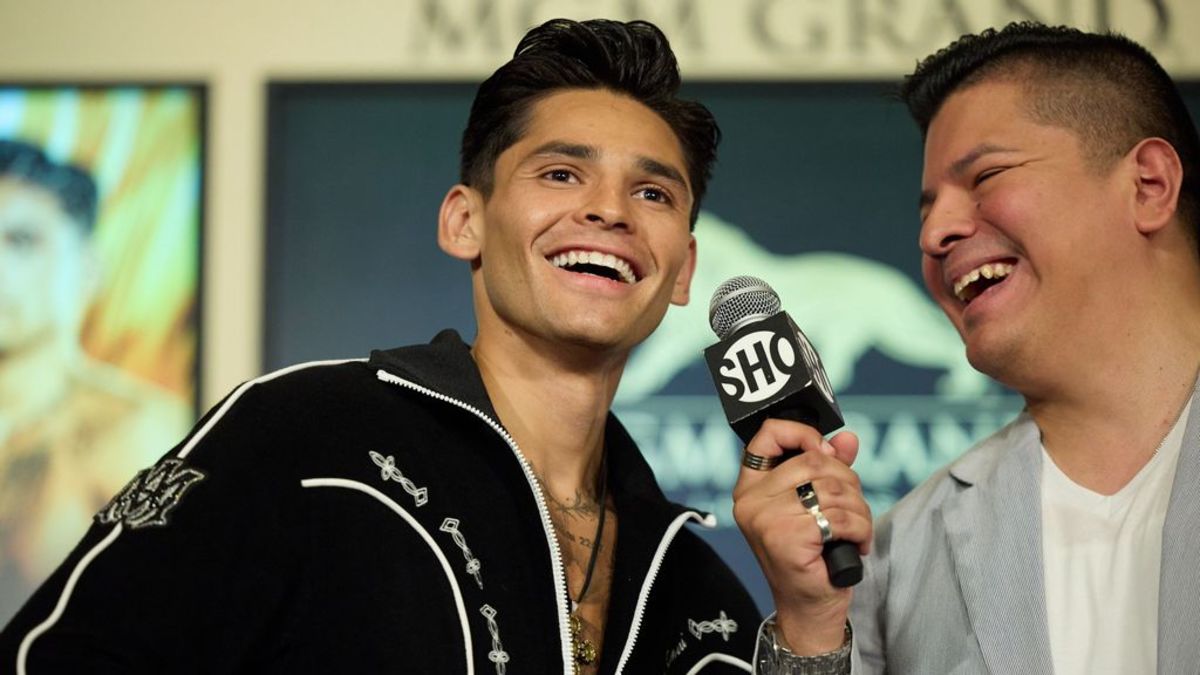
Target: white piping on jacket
[
  {"x": 27, "y": 643},
  {"x": 708, "y": 521},
  {"x": 212, "y": 421},
  {"x": 717, "y": 657},
  {"x": 673, "y": 529},
  {"x": 560, "y": 583},
  {"x": 64, "y": 597},
  {"x": 441, "y": 558}
]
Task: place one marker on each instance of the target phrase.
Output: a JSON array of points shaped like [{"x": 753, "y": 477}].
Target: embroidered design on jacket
[
  {"x": 152, "y": 494},
  {"x": 450, "y": 525},
  {"x": 674, "y": 652},
  {"x": 497, "y": 656},
  {"x": 723, "y": 625},
  {"x": 388, "y": 471}
]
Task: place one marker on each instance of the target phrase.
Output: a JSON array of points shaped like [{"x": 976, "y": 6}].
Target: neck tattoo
[{"x": 585, "y": 650}]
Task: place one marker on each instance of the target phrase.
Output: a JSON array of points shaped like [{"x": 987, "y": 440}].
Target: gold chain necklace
[{"x": 583, "y": 649}]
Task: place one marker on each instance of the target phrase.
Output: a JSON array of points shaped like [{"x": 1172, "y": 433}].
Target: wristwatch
[{"x": 775, "y": 659}]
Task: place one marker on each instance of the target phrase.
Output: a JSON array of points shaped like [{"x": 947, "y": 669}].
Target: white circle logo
[{"x": 757, "y": 366}]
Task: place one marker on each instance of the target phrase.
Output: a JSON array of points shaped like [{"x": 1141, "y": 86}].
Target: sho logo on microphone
[
  {"x": 757, "y": 366},
  {"x": 767, "y": 368}
]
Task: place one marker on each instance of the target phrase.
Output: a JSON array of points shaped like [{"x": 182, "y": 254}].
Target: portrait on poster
[{"x": 100, "y": 217}]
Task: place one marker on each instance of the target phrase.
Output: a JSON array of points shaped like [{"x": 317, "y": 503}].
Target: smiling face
[
  {"x": 585, "y": 238},
  {"x": 1022, "y": 236}
]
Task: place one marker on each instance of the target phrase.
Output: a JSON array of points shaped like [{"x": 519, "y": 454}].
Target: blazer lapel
[
  {"x": 1179, "y": 583},
  {"x": 995, "y": 538}
]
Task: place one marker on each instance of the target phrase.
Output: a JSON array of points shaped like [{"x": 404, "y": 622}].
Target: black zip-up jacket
[{"x": 370, "y": 516}]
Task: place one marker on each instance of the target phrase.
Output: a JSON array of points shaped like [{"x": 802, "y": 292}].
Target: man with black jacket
[{"x": 448, "y": 507}]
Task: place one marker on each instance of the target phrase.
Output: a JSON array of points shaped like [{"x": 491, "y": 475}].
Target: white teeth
[
  {"x": 576, "y": 257},
  {"x": 988, "y": 271}
]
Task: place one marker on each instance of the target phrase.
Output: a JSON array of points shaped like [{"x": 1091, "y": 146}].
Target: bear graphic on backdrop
[{"x": 845, "y": 304}]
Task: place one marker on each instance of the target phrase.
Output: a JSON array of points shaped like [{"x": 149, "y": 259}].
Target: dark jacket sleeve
[
  {"x": 186, "y": 567},
  {"x": 718, "y": 626}
]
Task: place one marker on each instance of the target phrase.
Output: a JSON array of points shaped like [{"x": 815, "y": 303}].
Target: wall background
[{"x": 236, "y": 46}]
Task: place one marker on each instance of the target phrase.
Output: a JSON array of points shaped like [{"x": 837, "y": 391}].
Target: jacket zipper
[
  {"x": 652, "y": 575},
  {"x": 560, "y": 577}
]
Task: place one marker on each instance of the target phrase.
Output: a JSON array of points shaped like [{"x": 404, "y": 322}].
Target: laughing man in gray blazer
[{"x": 1059, "y": 206}]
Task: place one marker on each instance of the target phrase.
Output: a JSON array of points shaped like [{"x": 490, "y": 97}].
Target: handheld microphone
[{"x": 764, "y": 367}]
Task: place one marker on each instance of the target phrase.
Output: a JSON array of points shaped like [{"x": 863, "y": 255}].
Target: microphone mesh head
[{"x": 738, "y": 301}]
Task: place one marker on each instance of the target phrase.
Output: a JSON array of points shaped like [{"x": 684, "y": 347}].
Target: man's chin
[
  {"x": 591, "y": 341},
  {"x": 996, "y": 359},
  {"x": 601, "y": 343}
]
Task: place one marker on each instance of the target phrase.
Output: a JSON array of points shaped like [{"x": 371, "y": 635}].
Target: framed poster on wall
[{"x": 101, "y": 209}]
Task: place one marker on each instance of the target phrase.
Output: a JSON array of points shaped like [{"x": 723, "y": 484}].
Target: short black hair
[
  {"x": 73, "y": 186},
  {"x": 1106, "y": 88},
  {"x": 634, "y": 59}
]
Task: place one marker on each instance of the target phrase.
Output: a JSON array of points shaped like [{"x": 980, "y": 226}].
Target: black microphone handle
[{"x": 841, "y": 557}]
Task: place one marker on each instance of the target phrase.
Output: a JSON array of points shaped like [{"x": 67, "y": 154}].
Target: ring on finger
[
  {"x": 759, "y": 462},
  {"x": 808, "y": 498}
]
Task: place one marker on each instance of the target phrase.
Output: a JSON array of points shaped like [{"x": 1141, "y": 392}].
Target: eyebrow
[
  {"x": 657, "y": 168},
  {"x": 960, "y": 166},
  {"x": 591, "y": 153},
  {"x": 575, "y": 150}
]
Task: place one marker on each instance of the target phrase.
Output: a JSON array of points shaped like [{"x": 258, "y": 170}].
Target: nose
[
  {"x": 611, "y": 220},
  {"x": 607, "y": 207},
  {"x": 950, "y": 218}
]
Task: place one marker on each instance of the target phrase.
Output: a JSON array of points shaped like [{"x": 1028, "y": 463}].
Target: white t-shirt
[{"x": 1101, "y": 557}]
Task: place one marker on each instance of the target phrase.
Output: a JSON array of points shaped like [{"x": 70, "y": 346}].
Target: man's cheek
[{"x": 931, "y": 274}]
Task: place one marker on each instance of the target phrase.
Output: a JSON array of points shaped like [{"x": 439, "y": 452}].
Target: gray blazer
[{"x": 954, "y": 581}]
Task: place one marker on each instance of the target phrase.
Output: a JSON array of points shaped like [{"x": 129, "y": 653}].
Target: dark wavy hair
[
  {"x": 631, "y": 58},
  {"x": 74, "y": 187},
  {"x": 1106, "y": 88}
]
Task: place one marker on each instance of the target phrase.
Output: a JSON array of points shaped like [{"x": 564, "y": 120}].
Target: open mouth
[
  {"x": 970, "y": 285},
  {"x": 597, "y": 264}
]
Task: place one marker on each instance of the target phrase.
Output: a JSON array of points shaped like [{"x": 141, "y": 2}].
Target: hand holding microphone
[
  {"x": 796, "y": 501},
  {"x": 765, "y": 368}
]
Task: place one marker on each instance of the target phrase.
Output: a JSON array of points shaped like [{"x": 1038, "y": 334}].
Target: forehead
[
  {"x": 977, "y": 110},
  {"x": 989, "y": 115},
  {"x": 26, "y": 203},
  {"x": 613, "y": 123}
]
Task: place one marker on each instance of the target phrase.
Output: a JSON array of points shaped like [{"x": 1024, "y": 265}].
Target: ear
[
  {"x": 683, "y": 281},
  {"x": 1159, "y": 176},
  {"x": 460, "y": 223}
]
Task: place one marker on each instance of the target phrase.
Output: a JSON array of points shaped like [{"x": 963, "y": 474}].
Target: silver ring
[
  {"x": 758, "y": 462},
  {"x": 808, "y": 498}
]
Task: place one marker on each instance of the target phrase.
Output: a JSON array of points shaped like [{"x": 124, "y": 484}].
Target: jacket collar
[
  {"x": 446, "y": 366},
  {"x": 1178, "y": 590},
  {"x": 994, "y": 530},
  {"x": 1020, "y": 436},
  {"x": 1001, "y": 502}
]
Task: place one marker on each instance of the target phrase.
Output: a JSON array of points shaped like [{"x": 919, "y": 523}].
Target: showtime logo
[{"x": 757, "y": 366}]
